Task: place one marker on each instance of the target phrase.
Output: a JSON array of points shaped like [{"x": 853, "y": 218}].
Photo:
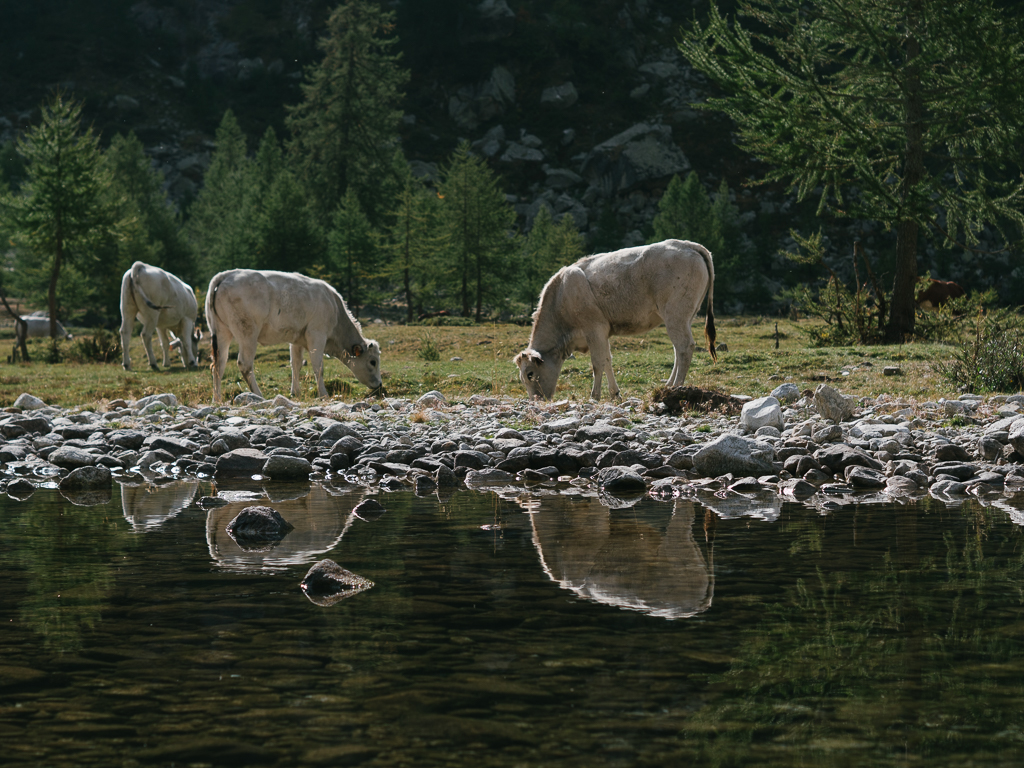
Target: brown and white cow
[
  {"x": 626, "y": 292},
  {"x": 161, "y": 302},
  {"x": 938, "y": 293},
  {"x": 268, "y": 307}
]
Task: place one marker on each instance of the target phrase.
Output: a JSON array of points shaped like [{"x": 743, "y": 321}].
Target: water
[{"x": 506, "y": 630}]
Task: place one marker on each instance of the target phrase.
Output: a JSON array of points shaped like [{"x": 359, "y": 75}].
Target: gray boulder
[
  {"x": 284, "y": 467},
  {"x": 241, "y": 462},
  {"x": 832, "y": 404},
  {"x": 564, "y": 95},
  {"x": 762, "y": 412},
  {"x": 732, "y": 454},
  {"x": 641, "y": 153},
  {"x": 620, "y": 480},
  {"x": 69, "y": 457},
  {"x": 258, "y": 528},
  {"x": 28, "y": 402},
  {"x": 786, "y": 393},
  {"x": 327, "y": 583},
  {"x": 87, "y": 478}
]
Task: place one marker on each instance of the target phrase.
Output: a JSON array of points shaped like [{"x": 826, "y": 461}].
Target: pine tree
[
  {"x": 62, "y": 212},
  {"x": 216, "y": 227},
  {"x": 548, "y": 247},
  {"x": 283, "y": 234},
  {"x": 412, "y": 240},
  {"x": 897, "y": 111},
  {"x": 345, "y": 129},
  {"x": 684, "y": 212},
  {"x": 478, "y": 224},
  {"x": 351, "y": 249}
]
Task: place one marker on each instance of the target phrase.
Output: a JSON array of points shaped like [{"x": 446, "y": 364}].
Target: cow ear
[{"x": 357, "y": 350}]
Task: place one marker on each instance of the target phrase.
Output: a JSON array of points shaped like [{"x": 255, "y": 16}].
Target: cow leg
[
  {"x": 127, "y": 324},
  {"x": 165, "y": 343},
  {"x": 295, "y": 357},
  {"x": 316, "y": 359},
  {"x": 601, "y": 361},
  {"x": 220, "y": 361},
  {"x": 147, "y": 342},
  {"x": 188, "y": 359},
  {"x": 247, "y": 361},
  {"x": 682, "y": 340}
]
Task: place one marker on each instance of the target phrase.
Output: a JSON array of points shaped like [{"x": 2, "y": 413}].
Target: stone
[
  {"x": 327, "y": 583},
  {"x": 336, "y": 431},
  {"x": 833, "y": 433},
  {"x": 865, "y": 477},
  {"x": 838, "y": 456},
  {"x": 445, "y": 477},
  {"x": 1016, "y": 435},
  {"x": 28, "y": 402},
  {"x": 70, "y": 457},
  {"x": 86, "y": 478},
  {"x": 620, "y": 480},
  {"x": 951, "y": 452},
  {"x": 600, "y": 432},
  {"x": 369, "y": 510},
  {"x": 165, "y": 398},
  {"x": 283, "y": 467},
  {"x": 732, "y": 454},
  {"x": 489, "y": 476},
  {"x": 257, "y": 528},
  {"x": 831, "y": 404},
  {"x": 241, "y": 462},
  {"x": 786, "y": 393},
  {"x": 431, "y": 399},
  {"x": 641, "y": 153},
  {"x": 564, "y": 95},
  {"x": 898, "y": 485},
  {"x": 797, "y": 488},
  {"x": 762, "y": 412},
  {"x": 892, "y": 370}
]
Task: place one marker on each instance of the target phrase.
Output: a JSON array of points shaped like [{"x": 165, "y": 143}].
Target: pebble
[{"x": 881, "y": 445}]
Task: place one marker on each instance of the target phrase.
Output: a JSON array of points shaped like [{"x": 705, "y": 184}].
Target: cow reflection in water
[
  {"x": 642, "y": 559},
  {"x": 320, "y": 519},
  {"x": 149, "y": 505}
]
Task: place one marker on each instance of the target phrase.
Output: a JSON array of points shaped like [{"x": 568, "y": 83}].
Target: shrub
[
  {"x": 102, "y": 346},
  {"x": 428, "y": 350},
  {"x": 445, "y": 320},
  {"x": 990, "y": 356}
]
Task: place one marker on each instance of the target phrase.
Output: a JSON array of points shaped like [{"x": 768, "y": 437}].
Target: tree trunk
[
  {"x": 51, "y": 298},
  {"x": 408, "y": 295},
  {"x": 479, "y": 290},
  {"x": 901, "y": 315}
]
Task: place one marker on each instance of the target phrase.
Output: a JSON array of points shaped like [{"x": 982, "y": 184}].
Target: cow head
[
  {"x": 539, "y": 375},
  {"x": 364, "y": 361},
  {"x": 197, "y": 336}
]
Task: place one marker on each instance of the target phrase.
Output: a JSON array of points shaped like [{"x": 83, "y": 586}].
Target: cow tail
[
  {"x": 211, "y": 317},
  {"x": 137, "y": 289},
  {"x": 709, "y": 323}
]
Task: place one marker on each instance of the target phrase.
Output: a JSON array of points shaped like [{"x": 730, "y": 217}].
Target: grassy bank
[{"x": 418, "y": 359}]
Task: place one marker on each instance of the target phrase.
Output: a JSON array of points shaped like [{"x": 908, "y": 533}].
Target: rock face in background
[{"x": 594, "y": 136}]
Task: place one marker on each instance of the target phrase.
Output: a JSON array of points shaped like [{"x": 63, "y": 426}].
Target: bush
[
  {"x": 428, "y": 350},
  {"x": 990, "y": 356},
  {"x": 102, "y": 346}
]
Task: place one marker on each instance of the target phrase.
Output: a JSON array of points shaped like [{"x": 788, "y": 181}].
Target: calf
[
  {"x": 161, "y": 302},
  {"x": 268, "y": 307}
]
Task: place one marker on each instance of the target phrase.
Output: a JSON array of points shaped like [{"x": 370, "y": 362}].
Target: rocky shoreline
[{"x": 822, "y": 448}]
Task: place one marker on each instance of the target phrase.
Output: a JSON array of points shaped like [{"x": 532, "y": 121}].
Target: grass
[{"x": 751, "y": 366}]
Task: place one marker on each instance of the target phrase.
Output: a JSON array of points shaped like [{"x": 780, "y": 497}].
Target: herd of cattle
[{"x": 626, "y": 292}]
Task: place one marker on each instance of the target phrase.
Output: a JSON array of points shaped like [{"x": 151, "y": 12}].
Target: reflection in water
[
  {"x": 730, "y": 505},
  {"x": 149, "y": 505},
  {"x": 319, "y": 518},
  {"x": 643, "y": 559}
]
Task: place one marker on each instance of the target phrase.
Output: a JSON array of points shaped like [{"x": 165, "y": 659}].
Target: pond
[{"x": 512, "y": 628}]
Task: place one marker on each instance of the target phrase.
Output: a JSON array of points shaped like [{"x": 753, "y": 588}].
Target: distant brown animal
[{"x": 938, "y": 293}]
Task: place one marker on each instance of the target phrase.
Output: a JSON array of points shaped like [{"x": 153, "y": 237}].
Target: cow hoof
[
  {"x": 155, "y": 367},
  {"x": 126, "y": 367}
]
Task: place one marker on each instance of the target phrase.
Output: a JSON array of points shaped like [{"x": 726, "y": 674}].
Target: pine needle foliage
[{"x": 893, "y": 111}]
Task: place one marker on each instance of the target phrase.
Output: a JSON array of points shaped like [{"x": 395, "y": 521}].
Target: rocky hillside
[{"x": 585, "y": 107}]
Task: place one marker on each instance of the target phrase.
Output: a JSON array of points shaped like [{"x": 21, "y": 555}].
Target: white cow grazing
[
  {"x": 267, "y": 307},
  {"x": 37, "y": 326},
  {"x": 161, "y": 302},
  {"x": 625, "y": 292}
]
